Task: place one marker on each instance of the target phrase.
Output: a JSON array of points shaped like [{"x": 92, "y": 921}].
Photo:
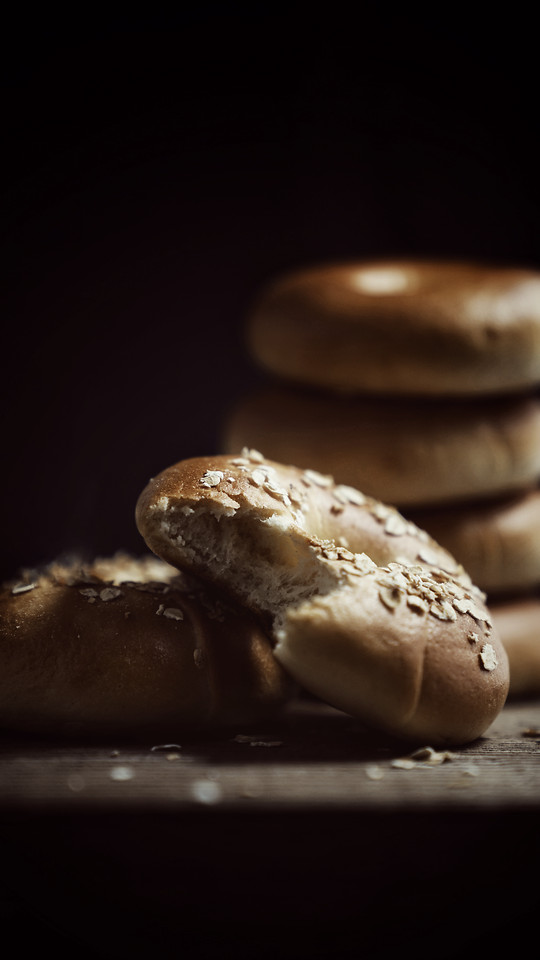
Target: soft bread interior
[{"x": 279, "y": 570}]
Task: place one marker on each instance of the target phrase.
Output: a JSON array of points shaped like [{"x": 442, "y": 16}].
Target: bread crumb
[
  {"x": 109, "y": 593},
  {"x": 423, "y": 757},
  {"x": 173, "y": 613},
  {"x": 23, "y": 588},
  {"x": 206, "y": 791},
  {"x": 313, "y": 476},
  {"x": 122, "y": 773}
]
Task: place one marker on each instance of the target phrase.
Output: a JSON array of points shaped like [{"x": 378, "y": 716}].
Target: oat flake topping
[
  {"x": 488, "y": 657},
  {"x": 212, "y": 478}
]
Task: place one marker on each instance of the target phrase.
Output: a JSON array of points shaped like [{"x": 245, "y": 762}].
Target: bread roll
[
  {"x": 518, "y": 624},
  {"x": 390, "y": 629},
  {"x": 401, "y": 327},
  {"x": 498, "y": 542},
  {"x": 85, "y": 652},
  {"x": 404, "y": 452}
]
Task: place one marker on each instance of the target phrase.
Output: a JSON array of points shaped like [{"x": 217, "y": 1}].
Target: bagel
[
  {"x": 498, "y": 542},
  {"x": 86, "y": 652},
  {"x": 404, "y": 452},
  {"x": 366, "y": 611},
  {"x": 401, "y": 327},
  {"x": 518, "y": 624}
]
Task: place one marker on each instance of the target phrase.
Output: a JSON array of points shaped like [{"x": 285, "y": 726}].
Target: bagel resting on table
[
  {"x": 517, "y": 620},
  {"x": 129, "y": 646},
  {"x": 366, "y": 611},
  {"x": 497, "y": 541},
  {"x": 401, "y": 327},
  {"x": 407, "y": 452}
]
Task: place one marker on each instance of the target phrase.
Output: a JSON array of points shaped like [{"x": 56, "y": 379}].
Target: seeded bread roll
[
  {"x": 498, "y": 542},
  {"x": 518, "y": 624},
  {"x": 390, "y": 629},
  {"x": 85, "y": 652},
  {"x": 405, "y": 452},
  {"x": 401, "y": 327}
]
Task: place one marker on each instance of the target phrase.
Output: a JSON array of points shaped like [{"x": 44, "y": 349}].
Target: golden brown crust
[
  {"x": 389, "y": 627},
  {"x": 498, "y": 542},
  {"x": 412, "y": 674},
  {"x": 83, "y": 654},
  {"x": 518, "y": 624},
  {"x": 402, "y": 327},
  {"x": 405, "y": 452}
]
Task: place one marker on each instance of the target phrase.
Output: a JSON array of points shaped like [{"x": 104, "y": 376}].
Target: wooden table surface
[{"x": 305, "y": 836}]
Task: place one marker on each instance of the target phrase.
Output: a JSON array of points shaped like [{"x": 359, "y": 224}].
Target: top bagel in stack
[{"x": 402, "y": 328}]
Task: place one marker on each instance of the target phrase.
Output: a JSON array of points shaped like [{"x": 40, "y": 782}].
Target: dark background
[{"x": 155, "y": 174}]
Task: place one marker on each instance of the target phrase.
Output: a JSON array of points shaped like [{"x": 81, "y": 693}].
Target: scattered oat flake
[
  {"x": 344, "y": 495},
  {"x": 211, "y": 478},
  {"x": 165, "y": 747},
  {"x": 395, "y": 525},
  {"x": 258, "y": 476},
  {"x": 403, "y": 763},
  {"x": 276, "y": 491},
  {"x": 390, "y": 597},
  {"x": 255, "y": 456},
  {"x": 432, "y": 757},
  {"x": 466, "y": 605},
  {"x": 173, "y": 613},
  {"x": 417, "y": 603},
  {"x": 122, "y": 773},
  {"x": 23, "y": 588},
  {"x": 374, "y": 772},
  {"x": 443, "y": 610},
  {"x": 427, "y": 556},
  {"x": 110, "y": 593},
  {"x": 531, "y": 732},
  {"x": 364, "y": 563},
  {"x": 488, "y": 657},
  {"x": 318, "y": 478},
  {"x": 206, "y": 791}
]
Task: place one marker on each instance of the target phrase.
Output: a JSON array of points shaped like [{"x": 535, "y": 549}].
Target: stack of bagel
[{"x": 417, "y": 383}]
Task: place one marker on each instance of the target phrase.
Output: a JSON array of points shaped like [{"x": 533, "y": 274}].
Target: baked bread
[
  {"x": 389, "y": 629},
  {"x": 517, "y": 621},
  {"x": 404, "y": 452},
  {"x": 85, "y": 652},
  {"x": 497, "y": 541},
  {"x": 401, "y": 327}
]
